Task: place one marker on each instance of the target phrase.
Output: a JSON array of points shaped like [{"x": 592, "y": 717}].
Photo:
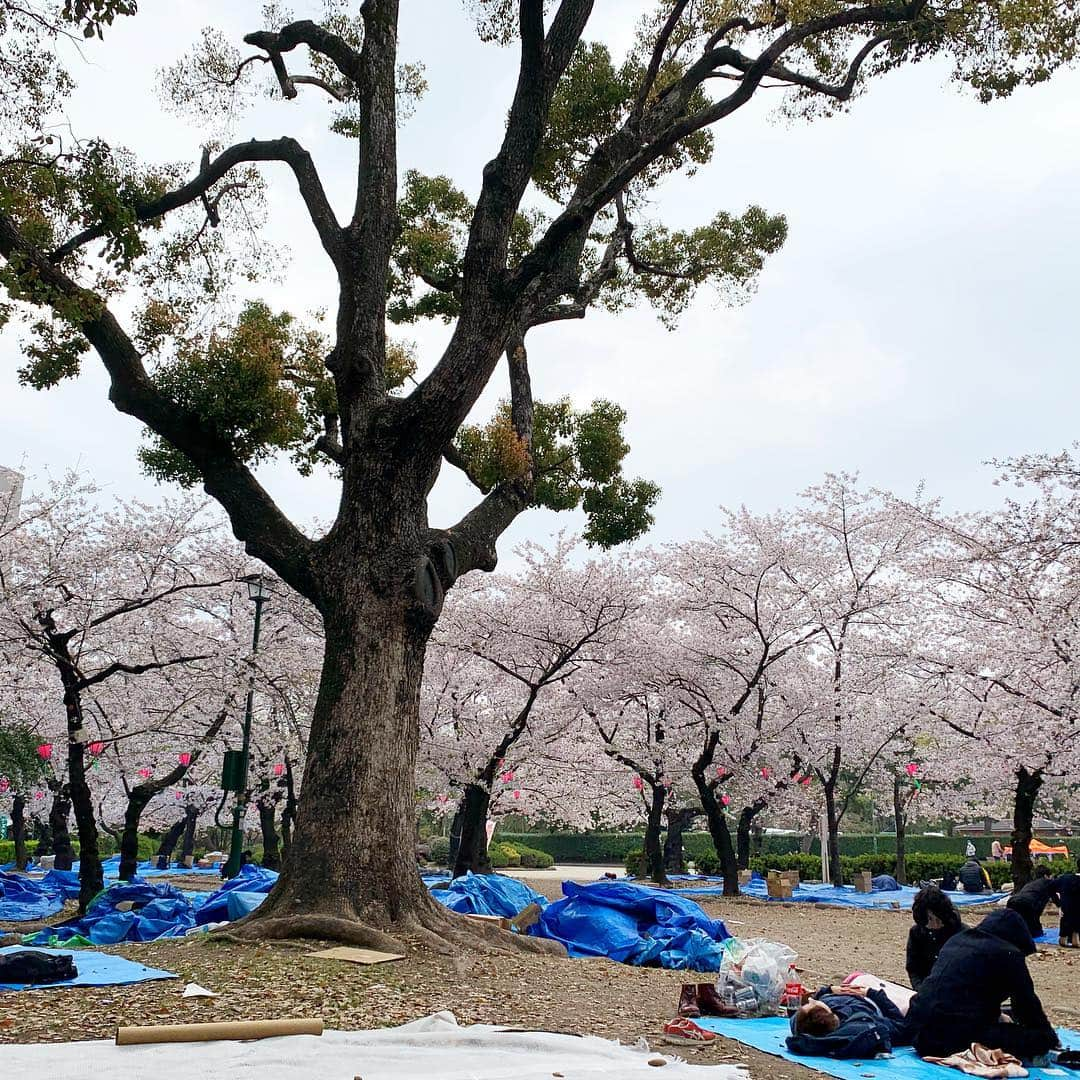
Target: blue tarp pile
[
  {"x": 634, "y": 924},
  {"x": 486, "y": 894},
  {"x": 238, "y": 897},
  {"x": 24, "y": 900},
  {"x": 768, "y": 1034},
  {"x": 94, "y": 969},
  {"x": 159, "y": 910},
  {"x": 839, "y": 895}
]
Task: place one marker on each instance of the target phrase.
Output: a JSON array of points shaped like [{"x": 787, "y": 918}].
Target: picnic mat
[
  {"x": 769, "y": 1032},
  {"x": 95, "y": 969},
  {"x": 433, "y": 1047}
]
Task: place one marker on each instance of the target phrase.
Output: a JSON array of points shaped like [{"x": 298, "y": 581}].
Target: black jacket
[
  {"x": 1068, "y": 892},
  {"x": 1036, "y": 894},
  {"x": 976, "y": 972},
  {"x": 973, "y": 876},
  {"x": 869, "y": 1025},
  {"x": 923, "y": 946}
]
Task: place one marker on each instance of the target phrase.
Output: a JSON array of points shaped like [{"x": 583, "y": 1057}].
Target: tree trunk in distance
[
  {"x": 1028, "y": 784},
  {"x": 901, "y": 831},
  {"x": 271, "y": 858},
  {"x": 472, "y": 851},
  {"x": 129, "y": 839},
  {"x": 168, "y": 843},
  {"x": 18, "y": 831},
  {"x": 58, "y": 829},
  {"x": 678, "y": 821},
  {"x": 654, "y": 849},
  {"x": 191, "y": 819},
  {"x": 834, "y": 835}
]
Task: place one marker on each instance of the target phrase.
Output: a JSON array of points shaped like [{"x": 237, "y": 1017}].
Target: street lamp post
[{"x": 257, "y": 593}]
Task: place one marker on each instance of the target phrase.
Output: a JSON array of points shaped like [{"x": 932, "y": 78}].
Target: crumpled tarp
[
  {"x": 487, "y": 894},
  {"x": 633, "y": 924},
  {"x": 250, "y": 880},
  {"x": 94, "y": 969},
  {"x": 158, "y": 910},
  {"x": 885, "y": 883},
  {"x": 25, "y": 900}
]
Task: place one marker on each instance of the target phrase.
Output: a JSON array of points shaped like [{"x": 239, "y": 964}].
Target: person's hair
[
  {"x": 1044, "y": 871},
  {"x": 930, "y": 900},
  {"x": 816, "y": 1018}
]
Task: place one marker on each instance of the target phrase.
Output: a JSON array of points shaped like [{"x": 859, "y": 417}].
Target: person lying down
[{"x": 847, "y": 1022}]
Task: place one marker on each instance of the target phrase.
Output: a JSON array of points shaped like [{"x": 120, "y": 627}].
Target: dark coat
[
  {"x": 973, "y": 876},
  {"x": 1035, "y": 895},
  {"x": 923, "y": 947},
  {"x": 976, "y": 972},
  {"x": 1068, "y": 892},
  {"x": 868, "y": 1025}
]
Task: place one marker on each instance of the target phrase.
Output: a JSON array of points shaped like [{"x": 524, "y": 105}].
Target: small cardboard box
[
  {"x": 790, "y": 877},
  {"x": 864, "y": 881},
  {"x": 776, "y": 887},
  {"x": 745, "y": 876}
]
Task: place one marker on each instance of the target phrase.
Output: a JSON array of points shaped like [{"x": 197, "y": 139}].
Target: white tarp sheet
[{"x": 434, "y": 1047}]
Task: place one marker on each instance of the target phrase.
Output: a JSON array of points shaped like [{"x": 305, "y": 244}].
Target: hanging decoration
[
  {"x": 911, "y": 768},
  {"x": 178, "y": 795},
  {"x": 766, "y": 772},
  {"x": 44, "y": 751},
  {"x": 725, "y": 800},
  {"x": 96, "y": 748},
  {"x": 184, "y": 759},
  {"x": 5, "y": 783},
  {"x": 517, "y": 794},
  {"x": 639, "y": 784},
  {"x": 146, "y": 773},
  {"x": 508, "y": 776},
  {"x": 39, "y": 794},
  {"x": 278, "y": 768}
]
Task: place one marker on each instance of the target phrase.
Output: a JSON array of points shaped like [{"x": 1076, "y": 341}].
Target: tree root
[{"x": 318, "y": 927}]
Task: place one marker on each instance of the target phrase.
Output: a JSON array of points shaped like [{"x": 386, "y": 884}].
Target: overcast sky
[{"x": 920, "y": 319}]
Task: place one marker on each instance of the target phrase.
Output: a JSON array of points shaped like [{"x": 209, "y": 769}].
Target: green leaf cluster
[{"x": 19, "y": 761}]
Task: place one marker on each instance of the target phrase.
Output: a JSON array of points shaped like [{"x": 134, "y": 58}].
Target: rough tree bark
[
  {"x": 271, "y": 856},
  {"x": 472, "y": 849},
  {"x": 654, "y": 849},
  {"x": 288, "y": 815},
  {"x": 18, "y": 831},
  {"x": 718, "y": 829},
  {"x": 1028, "y": 784},
  {"x": 678, "y": 821},
  {"x": 833, "y": 824},
  {"x": 187, "y": 848},
  {"x": 59, "y": 835},
  {"x": 901, "y": 830},
  {"x": 43, "y": 836},
  {"x": 742, "y": 831}
]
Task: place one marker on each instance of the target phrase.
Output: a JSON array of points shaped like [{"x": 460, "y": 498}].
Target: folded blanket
[{"x": 982, "y": 1061}]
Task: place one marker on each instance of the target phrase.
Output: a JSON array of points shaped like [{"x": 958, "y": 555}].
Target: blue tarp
[
  {"x": 24, "y": 900},
  {"x": 633, "y": 924},
  {"x": 161, "y": 910},
  {"x": 768, "y": 1034},
  {"x": 251, "y": 879},
  {"x": 839, "y": 895},
  {"x": 95, "y": 969},
  {"x": 487, "y": 894}
]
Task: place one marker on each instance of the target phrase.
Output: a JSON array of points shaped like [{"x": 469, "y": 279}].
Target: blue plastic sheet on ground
[
  {"x": 25, "y": 900},
  {"x": 251, "y": 879},
  {"x": 239, "y": 903},
  {"x": 768, "y": 1034},
  {"x": 1050, "y": 936},
  {"x": 839, "y": 895},
  {"x": 487, "y": 894},
  {"x": 95, "y": 969},
  {"x": 633, "y": 924},
  {"x": 885, "y": 883}
]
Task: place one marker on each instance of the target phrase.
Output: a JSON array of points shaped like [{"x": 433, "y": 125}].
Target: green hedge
[
  {"x": 615, "y": 847},
  {"x": 921, "y": 866},
  {"x": 502, "y": 854},
  {"x": 147, "y": 848}
]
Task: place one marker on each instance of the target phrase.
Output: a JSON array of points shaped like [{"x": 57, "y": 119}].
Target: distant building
[
  {"x": 987, "y": 827},
  {"x": 11, "y": 488}
]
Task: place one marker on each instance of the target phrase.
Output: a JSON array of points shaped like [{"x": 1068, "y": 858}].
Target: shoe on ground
[{"x": 687, "y": 1029}]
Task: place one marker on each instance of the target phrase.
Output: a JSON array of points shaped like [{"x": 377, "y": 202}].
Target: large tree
[{"x": 81, "y": 222}]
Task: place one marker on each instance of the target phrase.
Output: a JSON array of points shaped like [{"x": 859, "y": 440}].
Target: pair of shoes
[{"x": 687, "y": 1029}]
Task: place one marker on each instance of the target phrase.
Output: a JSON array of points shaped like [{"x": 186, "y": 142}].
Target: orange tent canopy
[{"x": 1037, "y": 847}]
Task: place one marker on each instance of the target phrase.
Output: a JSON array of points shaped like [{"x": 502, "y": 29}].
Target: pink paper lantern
[
  {"x": 184, "y": 758},
  {"x": 44, "y": 751},
  {"x": 508, "y": 776},
  {"x": 96, "y": 748},
  {"x": 722, "y": 774},
  {"x": 725, "y": 800},
  {"x": 911, "y": 768},
  {"x": 639, "y": 784},
  {"x": 39, "y": 794},
  {"x": 805, "y": 781},
  {"x": 146, "y": 773},
  {"x": 5, "y": 783},
  {"x": 278, "y": 768},
  {"x": 517, "y": 794},
  {"x": 765, "y": 773},
  {"x": 178, "y": 795}
]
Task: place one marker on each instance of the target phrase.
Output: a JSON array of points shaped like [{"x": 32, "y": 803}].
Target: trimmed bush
[
  {"x": 708, "y": 862},
  {"x": 440, "y": 850},
  {"x": 635, "y": 862}
]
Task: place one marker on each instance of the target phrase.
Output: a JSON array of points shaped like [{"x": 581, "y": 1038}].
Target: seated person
[
  {"x": 847, "y": 1022},
  {"x": 973, "y": 876},
  {"x": 976, "y": 972},
  {"x": 1030, "y": 901},
  {"x": 936, "y": 920},
  {"x": 1068, "y": 888}
]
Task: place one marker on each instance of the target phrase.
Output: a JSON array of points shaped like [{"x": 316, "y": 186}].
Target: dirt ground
[{"x": 584, "y": 996}]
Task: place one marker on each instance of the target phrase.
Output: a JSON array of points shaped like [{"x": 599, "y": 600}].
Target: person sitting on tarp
[
  {"x": 1068, "y": 886},
  {"x": 1030, "y": 901},
  {"x": 935, "y": 921},
  {"x": 976, "y": 972},
  {"x": 973, "y": 876},
  {"x": 847, "y": 1022}
]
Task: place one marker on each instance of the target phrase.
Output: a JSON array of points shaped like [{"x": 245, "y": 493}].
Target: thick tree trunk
[
  {"x": 18, "y": 831},
  {"x": 901, "y": 831},
  {"x": 43, "y": 836},
  {"x": 834, "y": 834},
  {"x": 91, "y": 873},
  {"x": 168, "y": 843},
  {"x": 353, "y": 857},
  {"x": 654, "y": 849},
  {"x": 271, "y": 857},
  {"x": 718, "y": 830},
  {"x": 1028, "y": 783},
  {"x": 742, "y": 832},
  {"x": 137, "y": 802},
  {"x": 678, "y": 821},
  {"x": 472, "y": 852},
  {"x": 187, "y": 848},
  {"x": 288, "y": 815},
  {"x": 58, "y": 828}
]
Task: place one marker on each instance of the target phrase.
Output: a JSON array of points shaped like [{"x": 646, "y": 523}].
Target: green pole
[{"x": 236, "y": 843}]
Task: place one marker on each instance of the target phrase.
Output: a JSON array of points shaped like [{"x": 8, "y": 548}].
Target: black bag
[{"x": 36, "y": 968}]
